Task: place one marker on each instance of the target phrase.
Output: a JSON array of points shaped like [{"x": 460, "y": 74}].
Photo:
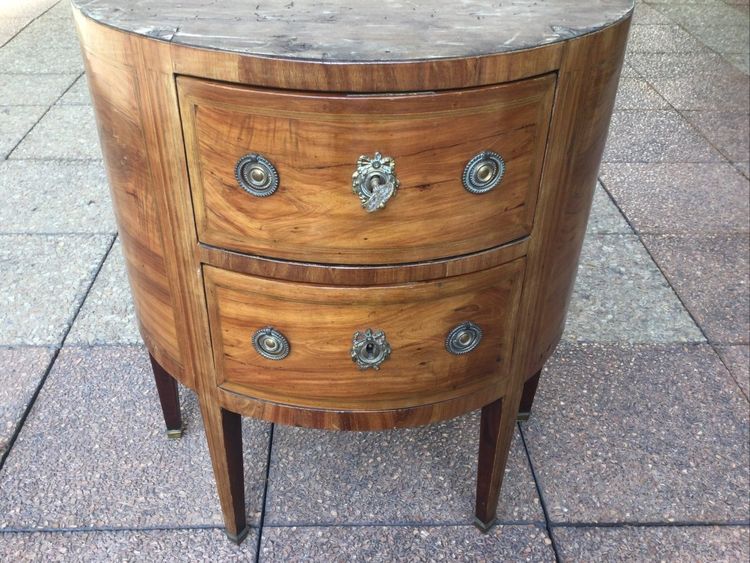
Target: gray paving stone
[
  {"x": 47, "y": 45},
  {"x": 419, "y": 476},
  {"x": 142, "y": 546},
  {"x": 15, "y": 122},
  {"x": 737, "y": 360},
  {"x": 694, "y": 543},
  {"x": 723, "y": 92},
  {"x": 743, "y": 167},
  {"x": 33, "y": 89},
  {"x": 620, "y": 296},
  {"x": 645, "y": 14},
  {"x": 680, "y": 198},
  {"x": 9, "y": 27},
  {"x": 710, "y": 274},
  {"x": 605, "y": 218},
  {"x": 695, "y": 15},
  {"x": 64, "y": 132},
  {"x": 724, "y": 39},
  {"x": 24, "y": 9},
  {"x": 729, "y": 132},
  {"x": 21, "y": 369},
  {"x": 43, "y": 281},
  {"x": 55, "y": 197},
  {"x": 741, "y": 61},
  {"x": 661, "y": 39},
  {"x": 108, "y": 314},
  {"x": 702, "y": 65},
  {"x": 444, "y": 543},
  {"x": 634, "y": 93},
  {"x": 93, "y": 452},
  {"x": 655, "y": 433},
  {"x": 78, "y": 95},
  {"x": 655, "y": 136}
]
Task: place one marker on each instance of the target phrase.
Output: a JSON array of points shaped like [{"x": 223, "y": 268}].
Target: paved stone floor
[{"x": 638, "y": 446}]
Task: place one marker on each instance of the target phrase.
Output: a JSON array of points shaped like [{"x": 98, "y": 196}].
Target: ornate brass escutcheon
[
  {"x": 374, "y": 181},
  {"x": 370, "y": 349}
]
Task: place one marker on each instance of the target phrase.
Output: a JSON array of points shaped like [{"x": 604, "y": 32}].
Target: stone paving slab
[
  {"x": 126, "y": 545},
  {"x": 64, "y": 132},
  {"x": 620, "y": 296},
  {"x": 93, "y": 452},
  {"x": 655, "y": 136},
  {"x": 645, "y": 14},
  {"x": 729, "y": 132},
  {"x": 723, "y": 39},
  {"x": 672, "y": 543},
  {"x": 737, "y": 360},
  {"x": 78, "y": 95},
  {"x": 15, "y": 122},
  {"x": 694, "y": 15},
  {"x": 635, "y": 93},
  {"x": 710, "y": 274},
  {"x": 680, "y": 198},
  {"x": 654, "y": 433},
  {"x": 662, "y": 39},
  {"x": 701, "y": 65},
  {"x": 47, "y": 46},
  {"x": 605, "y": 218},
  {"x": 423, "y": 475},
  {"x": 108, "y": 315},
  {"x": 55, "y": 197},
  {"x": 24, "y": 9},
  {"x": 21, "y": 369},
  {"x": 740, "y": 61},
  {"x": 44, "y": 280},
  {"x": 444, "y": 543},
  {"x": 9, "y": 27},
  {"x": 33, "y": 89},
  {"x": 743, "y": 168}
]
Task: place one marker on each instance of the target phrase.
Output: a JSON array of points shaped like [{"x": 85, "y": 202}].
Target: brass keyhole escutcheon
[
  {"x": 374, "y": 181},
  {"x": 370, "y": 349}
]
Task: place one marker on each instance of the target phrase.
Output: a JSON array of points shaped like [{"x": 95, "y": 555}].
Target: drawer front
[
  {"x": 319, "y": 324},
  {"x": 314, "y": 143}
]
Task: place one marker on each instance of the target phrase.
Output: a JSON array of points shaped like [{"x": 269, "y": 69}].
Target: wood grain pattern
[
  {"x": 125, "y": 155},
  {"x": 314, "y": 142},
  {"x": 585, "y": 98},
  {"x": 319, "y": 322},
  {"x": 362, "y": 275}
]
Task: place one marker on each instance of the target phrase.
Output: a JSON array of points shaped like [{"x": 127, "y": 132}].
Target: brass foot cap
[
  {"x": 484, "y": 527},
  {"x": 240, "y": 537},
  {"x": 523, "y": 416},
  {"x": 175, "y": 434}
]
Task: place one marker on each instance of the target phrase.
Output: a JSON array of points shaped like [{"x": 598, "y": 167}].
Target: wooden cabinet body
[{"x": 210, "y": 264}]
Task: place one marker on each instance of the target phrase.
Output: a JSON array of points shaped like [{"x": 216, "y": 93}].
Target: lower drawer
[{"x": 308, "y": 345}]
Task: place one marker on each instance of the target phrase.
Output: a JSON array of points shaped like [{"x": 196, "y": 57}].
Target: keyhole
[{"x": 369, "y": 350}]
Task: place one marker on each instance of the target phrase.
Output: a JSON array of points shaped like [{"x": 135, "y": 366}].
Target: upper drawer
[{"x": 314, "y": 143}]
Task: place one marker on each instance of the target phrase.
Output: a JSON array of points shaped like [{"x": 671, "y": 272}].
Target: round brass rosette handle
[
  {"x": 271, "y": 344},
  {"x": 463, "y": 338},
  {"x": 374, "y": 181},
  {"x": 483, "y": 172},
  {"x": 370, "y": 349},
  {"x": 256, "y": 175}
]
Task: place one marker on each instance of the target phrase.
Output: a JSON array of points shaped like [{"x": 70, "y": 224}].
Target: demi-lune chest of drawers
[{"x": 351, "y": 215}]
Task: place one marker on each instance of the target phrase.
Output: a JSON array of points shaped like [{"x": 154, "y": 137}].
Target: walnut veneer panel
[
  {"x": 119, "y": 121},
  {"x": 314, "y": 142},
  {"x": 319, "y": 322}
]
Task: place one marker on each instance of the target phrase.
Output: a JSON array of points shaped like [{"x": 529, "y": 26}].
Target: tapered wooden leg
[
  {"x": 527, "y": 396},
  {"x": 224, "y": 435},
  {"x": 495, "y": 436},
  {"x": 169, "y": 397}
]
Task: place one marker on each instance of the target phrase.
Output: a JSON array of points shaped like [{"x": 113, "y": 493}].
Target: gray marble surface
[{"x": 359, "y": 30}]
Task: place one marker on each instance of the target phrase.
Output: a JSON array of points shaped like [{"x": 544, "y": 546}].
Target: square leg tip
[
  {"x": 175, "y": 434},
  {"x": 484, "y": 527},
  {"x": 240, "y": 537}
]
